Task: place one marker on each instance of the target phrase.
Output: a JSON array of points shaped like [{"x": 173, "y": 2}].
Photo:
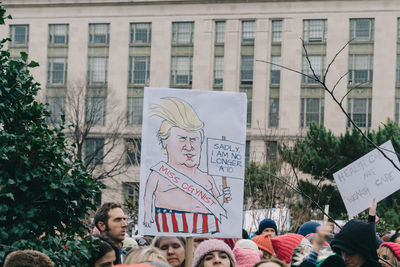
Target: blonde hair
[
  {"x": 392, "y": 257},
  {"x": 176, "y": 113},
  {"x": 139, "y": 255}
]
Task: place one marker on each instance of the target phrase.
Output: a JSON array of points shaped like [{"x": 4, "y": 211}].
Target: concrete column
[
  {"x": 78, "y": 51},
  {"x": 38, "y": 33},
  {"x": 259, "y": 114},
  {"x": 160, "y": 65},
  {"x": 232, "y": 56},
  {"x": 384, "y": 77},
  {"x": 338, "y": 36},
  {"x": 289, "y": 106},
  {"x": 203, "y": 54},
  {"x": 117, "y": 71}
]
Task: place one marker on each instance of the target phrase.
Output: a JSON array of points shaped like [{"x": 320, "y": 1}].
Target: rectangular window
[
  {"x": 19, "y": 34},
  {"x": 57, "y": 71},
  {"x": 276, "y": 31},
  {"x": 140, "y": 33},
  {"x": 57, "y": 108},
  {"x": 275, "y": 70},
  {"x": 248, "y": 31},
  {"x": 58, "y": 34},
  {"x": 247, "y": 152},
  {"x": 181, "y": 70},
  {"x": 314, "y": 30},
  {"x": 218, "y": 70},
  {"x": 249, "y": 108},
  {"x": 99, "y": 33},
  {"x": 246, "y": 70},
  {"x": 95, "y": 110},
  {"x": 272, "y": 149},
  {"x": 397, "y": 111},
  {"x": 273, "y": 112},
  {"x": 220, "y": 32},
  {"x": 359, "y": 110},
  {"x": 362, "y": 29},
  {"x": 312, "y": 111},
  {"x": 135, "y": 110},
  {"x": 131, "y": 192},
  {"x": 182, "y": 32},
  {"x": 139, "y": 70},
  {"x": 94, "y": 151},
  {"x": 317, "y": 64},
  {"x": 360, "y": 69},
  {"x": 398, "y": 69},
  {"x": 97, "y": 73},
  {"x": 133, "y": 150}
]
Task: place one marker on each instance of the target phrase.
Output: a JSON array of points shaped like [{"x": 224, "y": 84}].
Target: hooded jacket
[{"x": 358, "y": 237}]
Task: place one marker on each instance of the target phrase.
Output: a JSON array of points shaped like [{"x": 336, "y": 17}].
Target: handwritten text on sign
[
  {"x": 370, "y": 176},
  {"x": 225, "y": 158}
]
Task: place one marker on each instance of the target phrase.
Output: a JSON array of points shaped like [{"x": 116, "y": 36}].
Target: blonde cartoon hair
[{"x": 176, "y": 113}]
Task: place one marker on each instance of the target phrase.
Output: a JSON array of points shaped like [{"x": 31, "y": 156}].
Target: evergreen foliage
[
  {"x": 45, "y": 195},
  {"x": 320, "y": 153}
]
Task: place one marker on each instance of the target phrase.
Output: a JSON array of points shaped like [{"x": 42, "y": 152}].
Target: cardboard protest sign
[
  {"x": 191, "y": 142},
  {"x": 368, "y": 177}
]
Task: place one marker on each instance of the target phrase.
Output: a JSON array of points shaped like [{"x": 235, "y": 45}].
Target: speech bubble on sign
[
  {"x": 225, "y": 158},
  {"x": 370, "y": 176}
]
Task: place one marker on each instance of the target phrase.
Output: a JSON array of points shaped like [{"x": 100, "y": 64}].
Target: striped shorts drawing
[{"x": 175, "y": 221}]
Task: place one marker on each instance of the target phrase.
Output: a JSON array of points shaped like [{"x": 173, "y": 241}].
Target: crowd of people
[{"x": 357, "y": 244}]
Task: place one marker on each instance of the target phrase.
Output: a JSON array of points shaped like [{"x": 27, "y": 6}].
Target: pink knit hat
[
  {"x": 394, "y": 247},
  {"x": 285, "y": 244},
  {"x": 211, "y": 245},
  {"x": 246, "y": 257}
]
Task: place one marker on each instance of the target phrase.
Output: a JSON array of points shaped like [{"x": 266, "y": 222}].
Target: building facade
[{"x": 114, "y": 48}]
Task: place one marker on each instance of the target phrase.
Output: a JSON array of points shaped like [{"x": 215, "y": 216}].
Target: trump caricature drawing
[{"x": 179, "y": 197}]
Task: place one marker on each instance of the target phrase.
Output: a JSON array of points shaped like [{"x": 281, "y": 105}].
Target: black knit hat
[
  {"x": 357, "y": 237},
  {"x": 266, "y": 223}
]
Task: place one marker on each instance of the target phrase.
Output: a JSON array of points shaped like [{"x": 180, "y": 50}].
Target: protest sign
[
  {"x": 371, "y": 176},
  {"x": 191, "y": 142}
]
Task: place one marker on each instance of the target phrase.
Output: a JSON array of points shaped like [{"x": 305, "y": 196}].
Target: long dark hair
[{"x": 102, "y": 245}]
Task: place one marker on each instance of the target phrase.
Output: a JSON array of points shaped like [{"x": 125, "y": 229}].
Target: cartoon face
[{"x": 183, "y": 147}]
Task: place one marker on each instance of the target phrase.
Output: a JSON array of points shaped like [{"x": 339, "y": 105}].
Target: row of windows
[{"x": 183, "y": 32}]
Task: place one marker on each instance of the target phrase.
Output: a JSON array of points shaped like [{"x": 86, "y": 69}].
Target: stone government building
[{"x": 117, "y": 47}]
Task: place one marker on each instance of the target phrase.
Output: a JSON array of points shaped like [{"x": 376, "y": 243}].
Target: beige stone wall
[{"x": 78, "y": 14}]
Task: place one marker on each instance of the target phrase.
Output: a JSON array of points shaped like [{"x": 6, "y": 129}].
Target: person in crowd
[
  {"x": 106, "y": 254},
  {"x": 110, "y": 221},
  {"x": 284, "y": 245},
  {"x": 213, "y": 252},
  {"x": 265, "y": 245},
  {"x": 28, "y": 258},
  {"x": 395, "y": 238},
  {"x": 129, "y": 243},
  {"x": 245, "y": 234},
  {"x": 267, "y": 226},
  {"x": 273, "y": 262},
  {"x": 145, "y": 254},
  {"x": 173, "y": 248},
  {"x": 390, "y": 252},
  {"x": 319, "y": 254},
  {"x": 197, "y": 240},
  {"x": 246, "y": 253},
  {"x": 308, "y": 228},
  {"x": 357, "y": 244}
]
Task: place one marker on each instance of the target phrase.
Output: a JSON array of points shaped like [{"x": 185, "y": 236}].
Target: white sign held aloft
[
  {"x": 225, "y": 158},
  {"x": 371, "y": 176}
]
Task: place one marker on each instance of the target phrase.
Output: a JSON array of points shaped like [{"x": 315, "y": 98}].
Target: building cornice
[{"x": 69, "y": 3}]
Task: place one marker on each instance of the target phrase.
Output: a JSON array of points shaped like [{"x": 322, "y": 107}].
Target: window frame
[
  {"x": 137, "y": 143},
  {"x": 51, "y": 71},
  {"x": 133, "y": 33},
  {"x": 12, "y": 30},
  {"x": 134, "y": 114},
  {"x": 305, "y": 112},
  {"x": 92, "y": 71},
  {"x": 367, "y": 114},
  {"x": 133, "y": 71},
  {"x": 178, "y": 31},
  {"x": 53, "y": 36},
  {"x": 355, "y": 31},
  {"x": 94, "y": 29},
  {"x": 175, "y": 70},
  {"x": 97, "y": 156},
  {"x": 307, "y": 30},
  {"x": 353, "y": 70}
]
